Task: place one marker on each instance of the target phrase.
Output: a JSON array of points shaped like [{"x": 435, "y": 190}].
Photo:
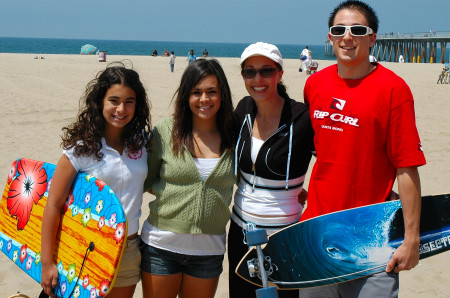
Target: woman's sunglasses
[
  {"x": 355, "y": 30},
  {"x": 250, "y": 73}
]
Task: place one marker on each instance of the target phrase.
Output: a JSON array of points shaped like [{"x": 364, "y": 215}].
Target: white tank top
[
  {"x": 253, "y": 205},
  {"x": 256, "y": 146}
]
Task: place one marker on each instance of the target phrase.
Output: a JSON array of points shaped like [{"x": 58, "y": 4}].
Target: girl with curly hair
[{"x": 109, "y": 140}]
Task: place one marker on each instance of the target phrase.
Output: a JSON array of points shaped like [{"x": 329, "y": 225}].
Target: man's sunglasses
[
  {"x": 250, "y": 73},
  {"x": 355, "y": 30}
]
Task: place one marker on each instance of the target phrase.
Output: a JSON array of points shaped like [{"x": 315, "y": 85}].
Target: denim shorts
[{"x": 163, "y": 262}]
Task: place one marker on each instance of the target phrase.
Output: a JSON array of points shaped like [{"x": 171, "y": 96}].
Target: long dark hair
[
  {"x": 182, "y": 127},
  {"x": 86, "y": 132}
]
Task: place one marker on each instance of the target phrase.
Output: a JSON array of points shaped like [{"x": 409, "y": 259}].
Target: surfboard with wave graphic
[{"x": 347, "y": 245}]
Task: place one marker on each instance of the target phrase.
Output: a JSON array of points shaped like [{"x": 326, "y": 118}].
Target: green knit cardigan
[{"x": 184, "y": 203}]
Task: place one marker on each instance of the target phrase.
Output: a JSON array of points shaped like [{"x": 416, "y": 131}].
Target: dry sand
[{"x": 39, "y": 97}]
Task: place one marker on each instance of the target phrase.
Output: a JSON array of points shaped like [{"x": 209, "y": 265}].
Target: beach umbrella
[{"x": 88, "y": 49}]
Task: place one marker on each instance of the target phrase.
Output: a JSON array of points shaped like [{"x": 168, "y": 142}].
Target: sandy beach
[{"x": 40, "y": 96}]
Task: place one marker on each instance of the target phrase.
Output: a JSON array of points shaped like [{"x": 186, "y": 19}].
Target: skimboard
[
  {"x": 345, "y": 245},
  {"x": 91, "y": 237}
]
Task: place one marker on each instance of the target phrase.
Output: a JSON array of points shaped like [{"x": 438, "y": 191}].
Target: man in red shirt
[{"x": 365, "y": 138}]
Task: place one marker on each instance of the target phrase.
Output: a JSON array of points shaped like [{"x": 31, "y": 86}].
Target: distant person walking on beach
[
  {"x": 205, "y": 53},
  {"x": 172, "y": 61},
  {"x": 365, "y": 138},
  {"x": 303, "y": 57},
  {"x": 191, "y": 56},
  {"x": 304, "y": 53},
  {"x": 401, "y": 59},
  {"x": 307, "y": 62}
]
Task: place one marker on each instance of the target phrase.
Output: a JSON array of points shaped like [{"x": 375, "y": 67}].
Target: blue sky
[{"x": 241, "y": 21}]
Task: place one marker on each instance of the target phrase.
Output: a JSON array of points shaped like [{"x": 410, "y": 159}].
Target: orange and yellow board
[{"x": 92, "y": 216}]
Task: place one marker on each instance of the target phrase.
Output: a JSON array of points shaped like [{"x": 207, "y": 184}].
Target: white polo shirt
[{"x": 125, "y": 174}]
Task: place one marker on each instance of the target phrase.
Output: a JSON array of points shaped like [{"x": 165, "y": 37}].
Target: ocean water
[{"x": 41, "y": 46}]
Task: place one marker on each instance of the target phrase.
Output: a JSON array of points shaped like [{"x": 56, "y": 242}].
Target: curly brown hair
[{"x": 86, "y": 132}]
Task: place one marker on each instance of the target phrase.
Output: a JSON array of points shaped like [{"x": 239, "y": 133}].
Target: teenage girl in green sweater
[{"x": 190, "y": 171}]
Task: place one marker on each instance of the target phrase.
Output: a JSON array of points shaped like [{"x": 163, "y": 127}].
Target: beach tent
[{"x": 88, "y": 49}]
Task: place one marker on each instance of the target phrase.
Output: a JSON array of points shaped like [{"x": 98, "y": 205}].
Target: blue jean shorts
[{"x": 163, "y": 262}]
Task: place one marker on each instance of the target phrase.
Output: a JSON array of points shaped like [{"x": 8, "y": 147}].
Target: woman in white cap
[{"x": 272, "y": 154}]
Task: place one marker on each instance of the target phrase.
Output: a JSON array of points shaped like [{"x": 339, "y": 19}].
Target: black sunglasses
[
  {"x": 250, "y": 73},
  {"x": 355, "y": 30}
]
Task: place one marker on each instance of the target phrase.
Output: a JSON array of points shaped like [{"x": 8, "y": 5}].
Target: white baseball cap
[{"x": 263, "y": 49}]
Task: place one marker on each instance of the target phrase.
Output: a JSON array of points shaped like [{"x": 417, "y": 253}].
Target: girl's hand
[{"x": 49, "y": 279}]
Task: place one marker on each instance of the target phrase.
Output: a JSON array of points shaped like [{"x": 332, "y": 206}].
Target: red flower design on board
[
  {"x": 23, "y": 253},
  {"x": 85, "y": 281},
  {"x": 120, "y": 232},
  {"x": 28, "y": 188},
  {"x": 101, "y": 222},
  {"x": 104, "y": 287},
  {"x": 100, "y": 184}
]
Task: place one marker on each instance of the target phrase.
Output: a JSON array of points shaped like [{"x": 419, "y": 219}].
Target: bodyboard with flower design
[{"x": 93, "y": 229}]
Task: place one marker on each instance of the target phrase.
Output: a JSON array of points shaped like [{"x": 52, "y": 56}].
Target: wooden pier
[{"x": 415, "y": 47}]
